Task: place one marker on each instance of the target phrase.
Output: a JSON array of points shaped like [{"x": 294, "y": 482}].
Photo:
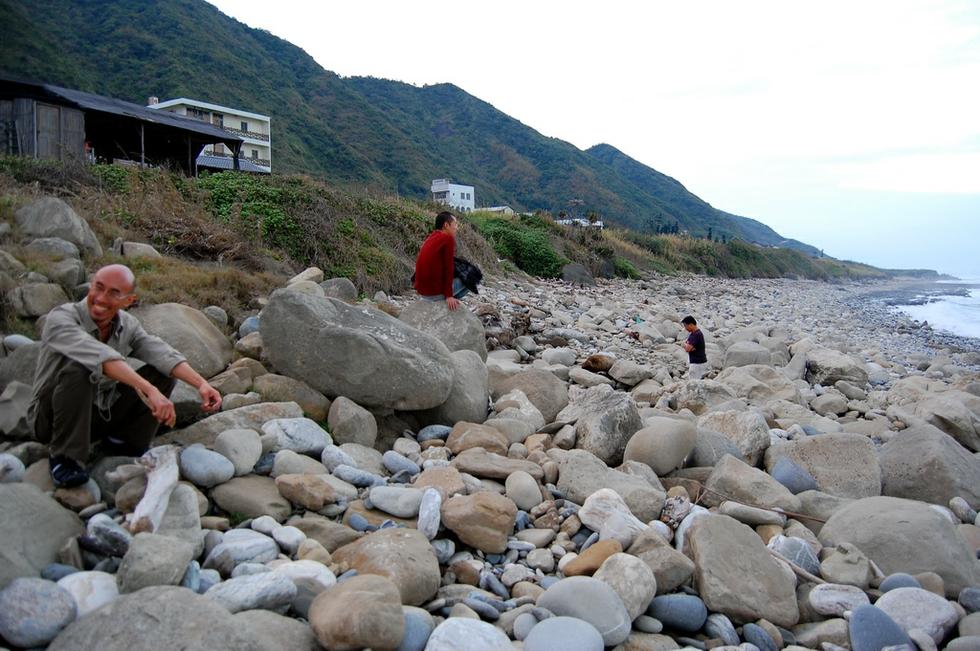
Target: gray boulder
[
  {"x": 351, "y": 423},
  {"x": 845, "y": 465},
  {"x": 947, "y": 412},
  {"x": 736, "y": 575},
  {"x": 458, "y": 329},
  {"x": 577, "y": 274},
  {"x": 162, "y": 617},
  {"x": 14, "y": 401},
  {"x": 52, "y": 217},
  {"x": 470, "y": 393},
  {"x": 36, "y": 299},
  {"x": 20, "y": 364},
  {"x": 191, "y": 332},
  {"x": 153, "y": 559},
  {"x": 747, "y": 429},
  {"x": 24, "y": 551},
  {"x": 543, "y": 388},
  {"x": 760, "y": 383},
  {"x": 825, "y": 366},
  {"x": 738, "y": 480},
  {"x": 745, "y": 353},
  {"x": 604, "y": 421},
  {"x": 358, "y": 352},
  {"x": 340, "y": 288},
  {"x": 905, "y": 536},
  {"x": 922, "y": 463},
  {"x": 54, "y": 248},
  {"x": 248, "y": 417},
  {"x": 581, "y": 473}
]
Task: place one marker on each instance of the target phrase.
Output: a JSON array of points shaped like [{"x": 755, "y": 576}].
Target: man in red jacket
[{"x": 434, "y": 267}]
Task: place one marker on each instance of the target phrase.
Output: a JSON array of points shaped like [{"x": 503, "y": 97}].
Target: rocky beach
[{"x": 534, "y": 471}]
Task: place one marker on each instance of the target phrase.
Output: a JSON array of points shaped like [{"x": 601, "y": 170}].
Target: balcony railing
[
  {"x": 264, "y": 137},
  {"x": 265, "y": 162}
]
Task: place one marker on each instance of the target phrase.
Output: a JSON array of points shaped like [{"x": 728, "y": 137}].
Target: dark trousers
[{"x": 67, "y": 418}]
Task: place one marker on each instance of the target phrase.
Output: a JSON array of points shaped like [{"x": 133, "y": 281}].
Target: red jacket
[{"x": 434, "y": 266}]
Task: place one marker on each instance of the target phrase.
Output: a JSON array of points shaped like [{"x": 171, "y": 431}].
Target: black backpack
[{"x": 468, "y": 273}]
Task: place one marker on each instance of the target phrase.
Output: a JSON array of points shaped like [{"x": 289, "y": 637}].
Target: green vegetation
[{"x": 525, "y": 241}]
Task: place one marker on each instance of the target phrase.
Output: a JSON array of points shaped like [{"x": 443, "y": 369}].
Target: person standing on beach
[
  {"x": 434, "y": 270},
  {"x": 697, "y": 358}
]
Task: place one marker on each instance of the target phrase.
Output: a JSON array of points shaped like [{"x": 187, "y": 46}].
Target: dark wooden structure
[{"x": 45, "y": 121}]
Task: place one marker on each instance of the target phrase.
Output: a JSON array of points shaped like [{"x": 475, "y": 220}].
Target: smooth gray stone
[
  {"x": 593, "y": 601},
  {"x": 444, "y": 550},
  {"x": 647, "y": 624},
  {"x": 793, "y": 476},
  {"x": 870, "y": 629},
  {"x": 483, "y": 609},
  {"x": 208, "y": 579},
  {"x": 56, "y": 571},
  {"x": 719, "y": 626},
  {"x": 798, "y": 551},
  {"x": 565, "y": 633},
  {"x": 356, "y": 477},
  {"x": 192, "y": 577},
  {"x": 418, "y": 627},
  {"x": 523, "y": 625},
  {"x": 240, "y": 546},
  {"x": 332, "y": 456},
  {"x": 970, "y": 599},
  {"x": 430, "y": 513},
  {"x": 899, "y": 580},
  {"x": 755, "y": 634},
  {"x": 433, "y": 432},
  {"x": 248, "y": 326},
  {"x": 396, "y": 463},
  {"x": 266, "y": 591},
  {"x": 203, "y": 467},
  {"x": 33, "y": 611},
  {"x": 680, "y": 611}
]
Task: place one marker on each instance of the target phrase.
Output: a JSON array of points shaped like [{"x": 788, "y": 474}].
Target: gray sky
[{"x": 854, "y": 126}]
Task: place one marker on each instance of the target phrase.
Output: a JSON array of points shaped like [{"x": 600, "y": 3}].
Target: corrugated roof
[
  {"x": 226, "y": 163},
  {"x": 93, "y": 102}
]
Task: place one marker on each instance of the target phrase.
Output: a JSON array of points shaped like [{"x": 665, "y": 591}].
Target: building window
[
  {"x": 219, "y": 149},
  {"x": 255, "y": 154},
  {"x": 244, "y": 126},
  {"x": 218, "y": 120}
]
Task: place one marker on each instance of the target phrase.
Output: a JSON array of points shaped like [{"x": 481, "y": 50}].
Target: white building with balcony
[
  {"x": 256, "y": 153},
  {"x": 460, "y": 197}
]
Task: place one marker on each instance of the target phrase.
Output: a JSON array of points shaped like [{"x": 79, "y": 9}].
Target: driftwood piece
[
  {"x": 125, "y": 472},
  {"x": 161, "y": 479}
]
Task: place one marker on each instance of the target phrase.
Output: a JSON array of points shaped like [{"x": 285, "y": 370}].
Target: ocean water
[{"x": 959, "y": 315}]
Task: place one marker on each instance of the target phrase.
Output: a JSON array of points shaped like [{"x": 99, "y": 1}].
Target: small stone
[
  {"x": 833, "y": 600},
  {"x": 719, "y": 626},
  {"x": 242, "y": 447},
  {"x": 11, "y": 469},
  {"x": 153, "y": 559},
  {"x": 266, "y": 590},
  {"x": 396, "y": 463},
  {"x": 419, "y": 625},
  {"x": 474, "y": 635},
  {"x": 591, "y": 600},
  {"x": 363, "y": 611},
  {"x": 400, "y": 502},
  {"x": 90, "y": 590},
  {"x": 289, "y": 539},
  {"x": 917, "y": 608},
  {"x": 898, "y": 580},
  {"x": 683, "y": 612},
  {"x": 969, "y": 598},
  {"x": 647, "y": 624},
  {"x": 592, "y": 558},
  {"x": 755, "y": 634},
  {"x": 523, "y": 489},
  {"x": 204, "y": 467}
]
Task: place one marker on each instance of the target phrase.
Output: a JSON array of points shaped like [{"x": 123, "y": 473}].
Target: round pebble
[
  {"x": 719, "y": 626},
  {"x": 418, "y": 627},
  {"x": 969, "y": 598},
  {"x": 899, "y": 580},
  {"x": 11, "y": 469},
  {"x": 870, "y": 629},
  {"x": 647, "y": 624},
  {"x": 755, "y": 634},
  {"x": 566, "y": 633},
  {"x": 431, "y": 432},
  {"x": 683, "y": 612}
]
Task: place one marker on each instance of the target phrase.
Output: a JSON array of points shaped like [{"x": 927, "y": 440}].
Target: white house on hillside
[
  {"x": 506, "y": 210},
  {"x": 460, "y": 197},
  {"x": 256, "y": 155}
]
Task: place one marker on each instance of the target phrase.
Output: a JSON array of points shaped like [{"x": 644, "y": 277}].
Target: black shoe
[
  {"x": 66, "y": 472},
  {"x": 116, "y": 448}
]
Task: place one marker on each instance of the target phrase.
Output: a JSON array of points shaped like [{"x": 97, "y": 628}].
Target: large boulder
[
  {"x": 905, "y": 536},
  {"x": 191, "y": 332},
  {"x": 744, "y": 353},
  {"x": 662, "y": 444},
  {"x": 469, "y": 396},
  {"x": 52, "y": 217},
  {"x": 701, "y": 396},
  {"x": 739, "y": 481},
  {"x": 25, "y": 550},
  {"x": 922, "y": 463},
  {"x": 159, "y": 617},
  {"x": 543, "y": 388},
  {"x": 355, "y": 351},
  {"x": 36, "y": 299},
  {"x": 20, "y": 365},
  {"x": 760, "y": 383},
  {"x": 580, "y": 474},
  {"x": 845, "y": 465},
  {"x": 14, "y": 402},
  {"x": 402, "y": 555},
  {"x": 825, "y": 366},
  {"x": 735, "y": 574},
  {"x": 605, "y": 420},
  {"x": 746, "y": 429},
  {"x": 361, "y": 612},
  {"x": 458, "y": 329},
  {"x": 483, "y": 520},
  {"x": 946, "y": 412}
]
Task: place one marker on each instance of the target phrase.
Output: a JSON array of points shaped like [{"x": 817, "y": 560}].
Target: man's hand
[
  {"x": 688, "y": 347},
  {"x": 210, "y": 398},
  {"x": 160, "y": 406},
  {"x": 452, "y": 303}
]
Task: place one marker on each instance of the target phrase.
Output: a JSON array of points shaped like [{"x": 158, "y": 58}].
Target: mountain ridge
[{"x": 362, "y": 130}]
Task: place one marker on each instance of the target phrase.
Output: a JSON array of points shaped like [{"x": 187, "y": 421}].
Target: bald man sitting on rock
[{"x": 84, "y": 389}]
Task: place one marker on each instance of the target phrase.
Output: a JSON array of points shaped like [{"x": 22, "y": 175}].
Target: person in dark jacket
[
  {"x": 697, "y": 357},
  {"x": 435, "y": 267}
]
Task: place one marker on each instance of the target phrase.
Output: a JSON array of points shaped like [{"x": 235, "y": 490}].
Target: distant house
[
  {"x": 579, "y": 222},
  {"x": 40, "y": 120},
  {"x": 506, "y": 210},
  {"x": 253, "y": 128},
  {"x": 460, "y": 197}
]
